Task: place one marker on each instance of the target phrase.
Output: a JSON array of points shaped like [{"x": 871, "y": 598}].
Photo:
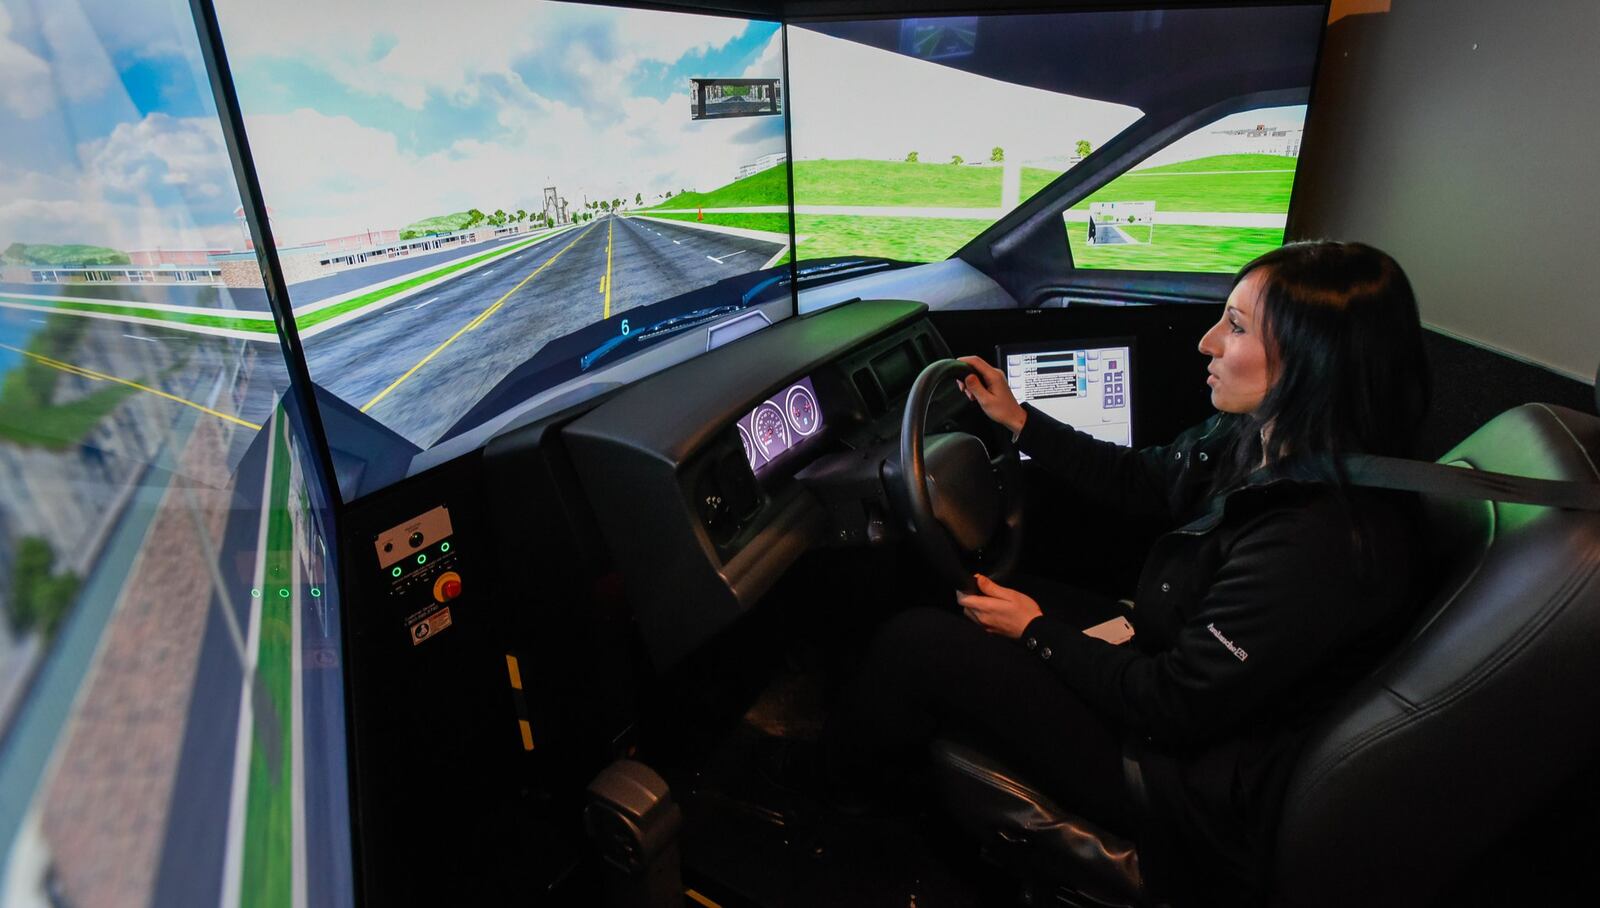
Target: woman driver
[{"x": 1277, "y": 586}]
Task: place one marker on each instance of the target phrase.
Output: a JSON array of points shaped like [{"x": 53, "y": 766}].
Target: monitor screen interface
[
  {"x": 913, "y": 136},
  {"x": 470, "y": 217},
  {"x": 1083, "y": 385}
]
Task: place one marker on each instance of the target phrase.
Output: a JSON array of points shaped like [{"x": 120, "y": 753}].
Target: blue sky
[
  {"x": 113, "y": 137},
  {"x": 591, "y": 100}
]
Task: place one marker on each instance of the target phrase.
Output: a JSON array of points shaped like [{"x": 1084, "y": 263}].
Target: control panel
[{"x": 422, "y": 566}]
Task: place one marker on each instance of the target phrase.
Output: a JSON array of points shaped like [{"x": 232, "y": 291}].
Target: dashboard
[{"x": 704, "y": 509}]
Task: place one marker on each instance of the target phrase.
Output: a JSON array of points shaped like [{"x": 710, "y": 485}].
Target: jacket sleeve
[
  {"x": 1139, "y": 484},
  {"x": 1280, "y": 606}
]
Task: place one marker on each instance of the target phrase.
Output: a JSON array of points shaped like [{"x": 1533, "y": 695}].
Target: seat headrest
[{"x": 1484, "y": 709}]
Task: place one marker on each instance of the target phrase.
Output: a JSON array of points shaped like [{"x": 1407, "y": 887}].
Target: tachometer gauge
[
  {"x": 749, "y": 446},
  {"x": 770, "y": 431},
  {"x": 802, "y": 410}
]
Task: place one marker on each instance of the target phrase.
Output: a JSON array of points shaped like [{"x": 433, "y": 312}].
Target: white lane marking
[
  {"x": 676, "y": 243},
  {"x": 139, "y": 338},
  {"x": 489, "y": 272},
  {"x": 297, "y": 730},
  {"x": 233, "y": 837},
  {"x": 726, "y": 257},
  {"x": 420, "y": 305}
]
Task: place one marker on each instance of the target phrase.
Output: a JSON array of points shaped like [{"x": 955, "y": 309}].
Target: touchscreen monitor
[{"x": 1085, "y": 384}]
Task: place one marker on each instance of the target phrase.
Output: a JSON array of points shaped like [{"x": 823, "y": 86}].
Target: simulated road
[{"x": 419, "y": 364}]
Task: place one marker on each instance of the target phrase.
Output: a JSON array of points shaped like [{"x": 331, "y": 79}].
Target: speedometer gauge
[
  {"x": 749, "y": 446},
  {"x": 802, "y": 410},
  {"x": 770, "y": 431}
]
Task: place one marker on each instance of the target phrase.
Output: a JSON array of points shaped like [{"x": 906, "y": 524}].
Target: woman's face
[{"x": 1239, "y": 377}]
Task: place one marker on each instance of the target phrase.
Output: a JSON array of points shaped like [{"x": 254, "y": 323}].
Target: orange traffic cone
[{"x": 699, "y": 214}]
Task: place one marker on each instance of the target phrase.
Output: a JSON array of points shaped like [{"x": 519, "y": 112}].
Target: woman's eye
[{"x": 1236, "y": 327}]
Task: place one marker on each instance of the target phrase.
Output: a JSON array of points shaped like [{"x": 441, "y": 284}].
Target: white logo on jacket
[{"x": 1234, "y": 648}]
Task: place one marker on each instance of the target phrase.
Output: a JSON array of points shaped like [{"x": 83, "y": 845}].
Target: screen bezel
[{"x": 1001, "y": 351}]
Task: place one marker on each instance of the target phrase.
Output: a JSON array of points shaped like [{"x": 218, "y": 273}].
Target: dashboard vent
[{"x": 871, "y": 392}]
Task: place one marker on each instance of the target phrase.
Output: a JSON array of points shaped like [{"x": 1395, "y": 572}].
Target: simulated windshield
[
  {"x": 913, "y": 136},
  {"x": 459, "y": 208}
]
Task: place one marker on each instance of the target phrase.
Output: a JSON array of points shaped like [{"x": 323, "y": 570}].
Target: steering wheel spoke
[{"x": 961, "y": 498}]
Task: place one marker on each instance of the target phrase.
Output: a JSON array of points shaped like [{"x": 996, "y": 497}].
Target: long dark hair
[{"x": 1345, "y": 355}]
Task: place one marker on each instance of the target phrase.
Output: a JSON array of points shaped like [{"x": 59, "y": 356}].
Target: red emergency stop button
[{"x": 447, "y": 587}]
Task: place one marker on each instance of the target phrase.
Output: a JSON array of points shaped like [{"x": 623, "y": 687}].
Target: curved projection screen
[
  {"x": 913, "y": 136},
  {"x": 469, "y": 218}
]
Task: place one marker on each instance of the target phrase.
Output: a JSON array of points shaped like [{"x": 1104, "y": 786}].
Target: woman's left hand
[{"x": 999, "y": 609}]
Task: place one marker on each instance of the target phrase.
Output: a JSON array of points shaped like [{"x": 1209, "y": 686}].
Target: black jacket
[{"x": 1252, "y": 615}]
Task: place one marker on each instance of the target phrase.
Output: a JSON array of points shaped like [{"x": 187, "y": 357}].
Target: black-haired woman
[{"x": 1277, "y": 587}]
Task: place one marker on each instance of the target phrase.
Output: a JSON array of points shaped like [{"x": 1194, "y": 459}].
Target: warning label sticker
[{"x": 426, "y": 627}]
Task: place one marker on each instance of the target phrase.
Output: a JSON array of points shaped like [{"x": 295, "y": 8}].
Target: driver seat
[{"x": 1480, "y": 716}]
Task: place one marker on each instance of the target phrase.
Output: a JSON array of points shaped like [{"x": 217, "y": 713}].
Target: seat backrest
[{"x": 1486, "y": 708}]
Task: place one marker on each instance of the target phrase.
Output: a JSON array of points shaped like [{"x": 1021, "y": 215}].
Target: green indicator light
[
  {"x": 283, "y": 592},
  {"x": 316, "y": 592},
  {"x": 444, "y": 547},
  {"x": 422, "y": 559},
  {"x": 255, "y": 593},
  {"x": 396, "y": 571}
]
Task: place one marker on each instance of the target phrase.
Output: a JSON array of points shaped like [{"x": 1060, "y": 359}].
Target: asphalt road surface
[{"x": 419, "y": 364}]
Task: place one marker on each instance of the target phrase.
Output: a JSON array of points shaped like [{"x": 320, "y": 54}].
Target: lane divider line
[
  {"x": 610, "y": 222},
  {"x": 101, "y": 376},
  {"x": 481, "y": 317}
]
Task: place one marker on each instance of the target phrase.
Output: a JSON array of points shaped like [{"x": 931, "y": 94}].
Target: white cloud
[
  {"x": 855, "y": 101},
  {"x": 407, "y": 49},
  {"x": 24, "y": 78},
  {"x": 80, "y": 64},
  {"x": 328, "y": 176},
  {"x": 187, "y": 153},
  {"x": 769, "y": 63},
  {"x": 161, "y": 181}
]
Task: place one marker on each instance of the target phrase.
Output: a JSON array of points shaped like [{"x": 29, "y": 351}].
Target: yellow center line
[
  {"x": 478, "y": 320},
  {"x": 101, "y": 376},
  {"x": 606, "y": 284},
  {"x": 700, "y": 899}
]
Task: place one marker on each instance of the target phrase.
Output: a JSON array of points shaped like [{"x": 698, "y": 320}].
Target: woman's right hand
[{"x": 987, "y": 387}]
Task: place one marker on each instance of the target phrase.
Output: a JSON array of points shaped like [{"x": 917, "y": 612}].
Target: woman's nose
[{"x": 1206, "y": 346}]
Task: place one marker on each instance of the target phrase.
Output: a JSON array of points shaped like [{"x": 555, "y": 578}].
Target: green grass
[
  {"x": 903, "y": 239},
  {"x": 895, "y": 183},
  {"x": 29, "y": 414},
  {"x": 769, "y": 187},
  {"x": 444, "y": 223},
  {"x": 59, "y": 426},
  {"x": 1228, "y": 162},
  {"x": 382, "y": 293},
  {"x": 856, "y": 182},
  {"x": 1194, "y": 185},
  {"x": 268, "y": 839},
  {"x": 1185, "y": 186},
  {"x": 1260, "y": 193},
  {"x": 262, "y": 324},
  {"x": 773, "y": 223},
  {"x": 62, "y": 255},
  {"x": 1214, "y": 249}
]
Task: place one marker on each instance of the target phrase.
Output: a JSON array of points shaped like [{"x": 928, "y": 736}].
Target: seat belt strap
[{"x": 1462, "y": 482}]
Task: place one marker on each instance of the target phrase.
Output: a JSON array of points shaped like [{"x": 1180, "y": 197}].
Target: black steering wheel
[{"x": 962, "y": 498}]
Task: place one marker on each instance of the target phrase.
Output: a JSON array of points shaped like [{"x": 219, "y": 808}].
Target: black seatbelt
[{"x": 1459, "y": 482}]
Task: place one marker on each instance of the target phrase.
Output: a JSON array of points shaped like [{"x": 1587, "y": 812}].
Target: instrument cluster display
[{"x": 780, "y": 424}]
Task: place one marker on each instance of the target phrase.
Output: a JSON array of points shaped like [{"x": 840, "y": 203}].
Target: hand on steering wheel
[
  {"x": 961, "y": 497},
  {"x": 986, "y": 386}
]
